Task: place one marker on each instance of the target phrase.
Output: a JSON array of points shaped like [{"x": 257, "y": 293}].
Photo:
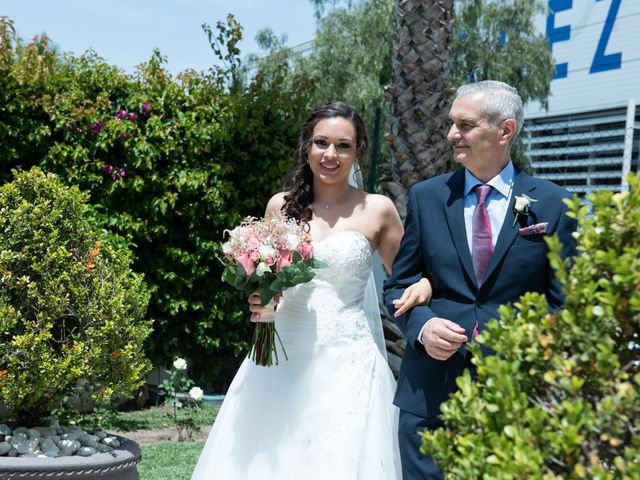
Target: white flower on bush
[
  {"x": 180, "y": 364},
  {"x": 196, "y": 393}
]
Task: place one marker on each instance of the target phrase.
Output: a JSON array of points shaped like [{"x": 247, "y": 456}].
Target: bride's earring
[{"x": 356, "y": 173}]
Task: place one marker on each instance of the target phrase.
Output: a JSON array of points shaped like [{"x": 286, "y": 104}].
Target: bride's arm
[{"x": 418, "y": 293}]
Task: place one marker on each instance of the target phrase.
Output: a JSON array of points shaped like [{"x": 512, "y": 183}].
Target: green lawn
[
  {"x": 146, "y": 419},
  {"x": 169, "y": 461}
]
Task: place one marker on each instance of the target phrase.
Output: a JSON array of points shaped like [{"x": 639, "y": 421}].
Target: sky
[{"x": 125, "y": 32}]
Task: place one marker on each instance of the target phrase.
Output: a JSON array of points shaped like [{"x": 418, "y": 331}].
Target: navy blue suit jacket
[{"x": 435, "y": 246}]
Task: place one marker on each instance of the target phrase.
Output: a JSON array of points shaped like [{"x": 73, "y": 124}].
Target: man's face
[{"x": 476, "y": 144}]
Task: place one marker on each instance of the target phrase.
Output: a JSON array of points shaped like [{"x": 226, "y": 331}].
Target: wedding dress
[{"x": 326, "y": 413}]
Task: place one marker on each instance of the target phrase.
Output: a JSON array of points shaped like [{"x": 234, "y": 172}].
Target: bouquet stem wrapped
[{"x": 268, "y": 256}]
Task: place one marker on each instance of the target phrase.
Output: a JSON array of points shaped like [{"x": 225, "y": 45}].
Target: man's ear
[{"x": 507, "y": 130}]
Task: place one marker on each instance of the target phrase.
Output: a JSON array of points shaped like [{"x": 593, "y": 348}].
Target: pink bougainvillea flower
[{"x": 96, "y": 127}]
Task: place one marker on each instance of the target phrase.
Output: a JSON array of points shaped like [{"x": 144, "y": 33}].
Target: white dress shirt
[{"x": 497, "y": 202}]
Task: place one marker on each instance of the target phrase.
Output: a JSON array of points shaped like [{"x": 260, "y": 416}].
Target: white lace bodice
[{"x": 331, "y": 303}]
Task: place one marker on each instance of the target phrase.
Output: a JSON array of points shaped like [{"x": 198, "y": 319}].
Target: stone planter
[{"x": 120, "y": 464}]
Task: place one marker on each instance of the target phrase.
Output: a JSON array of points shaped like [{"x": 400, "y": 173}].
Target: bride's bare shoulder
[
  {"x": 379, "y": 203},
  {"x": 275, "y": 203}
]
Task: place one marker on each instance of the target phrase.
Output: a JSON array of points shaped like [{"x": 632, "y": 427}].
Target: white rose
[
  {"x": 227, "y": 249},
  {"x": 522, "y": 203},
  {"x": 196, "y": 393},
  {"x": 262, "y": 268},
  {"x": 292, "y": 241},
  {"x": 180, "y": 364},
  {"x": 266, "y": 251}
]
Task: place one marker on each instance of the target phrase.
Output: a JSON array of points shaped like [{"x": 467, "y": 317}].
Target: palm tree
[{"x": 419, "y": 95}]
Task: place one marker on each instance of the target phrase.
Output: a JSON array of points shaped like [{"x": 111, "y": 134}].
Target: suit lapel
[
  {"x": 508, "y": 233},
  {"x": 454, "y": 211}
]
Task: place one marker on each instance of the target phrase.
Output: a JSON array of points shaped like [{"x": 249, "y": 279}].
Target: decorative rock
[
  {"x": 72, "y": 445},
  {"x": 46, "y": 431},
  {"x": 72, "y": 435},
  {"x": 65, "y": 452},
  {"x": 24, "y": 447},
  {"x": 18, "y": 437},
  {"x": 54, "y": 442},
  {"x": 47, "y": 445},
  {"x": 101, "y": 448},
  {"x": 4, "y": 447},
  {"x": 86, "y": 451},
  {"x": 88, "y": 440},
  {"x": 112, "y": 442}
]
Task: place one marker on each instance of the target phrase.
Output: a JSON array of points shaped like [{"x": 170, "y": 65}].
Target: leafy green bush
[
  {"x": 561, "y": 399},
  {"x": 170, "y": 162},
  {"x": 71, "y": 310}
]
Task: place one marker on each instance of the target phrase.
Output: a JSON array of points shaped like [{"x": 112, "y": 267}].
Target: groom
[{"x": 478, "y": 235}]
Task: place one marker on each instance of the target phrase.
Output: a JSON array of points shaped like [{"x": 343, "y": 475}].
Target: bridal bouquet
[{"x": 267, "y": 255}]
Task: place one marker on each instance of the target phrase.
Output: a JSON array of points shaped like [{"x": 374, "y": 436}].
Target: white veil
[{"x": 371, "y": 306}]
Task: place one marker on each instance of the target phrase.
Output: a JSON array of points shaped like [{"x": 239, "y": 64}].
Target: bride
[{"x": 326, "y": 412}]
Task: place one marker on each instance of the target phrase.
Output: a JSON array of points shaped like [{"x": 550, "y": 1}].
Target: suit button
[{"x": 479, "y": 304}]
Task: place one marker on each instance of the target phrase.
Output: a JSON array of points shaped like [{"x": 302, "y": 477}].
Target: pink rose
[
  {"x": 252, "y": 243},
  {"x": 306, "y": 250},
  {"x": 244, "y": 259},
  {"x": 255, "y": 255},
  {"x": 286, "y": 259}
]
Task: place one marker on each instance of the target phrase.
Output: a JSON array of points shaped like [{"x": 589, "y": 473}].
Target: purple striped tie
[{"x": 481, "y": 243}]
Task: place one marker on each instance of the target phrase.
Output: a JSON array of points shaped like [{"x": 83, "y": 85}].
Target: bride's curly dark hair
[{"x": 299, "y": 181}]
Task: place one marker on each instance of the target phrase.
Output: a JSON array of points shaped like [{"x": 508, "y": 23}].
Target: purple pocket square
[{"x": 536, "y": 229}]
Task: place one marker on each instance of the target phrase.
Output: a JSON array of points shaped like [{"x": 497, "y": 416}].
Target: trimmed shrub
[
  {"x": 169, "y": 162},
  {"x": 561, "y": 399},
  {"x": 71, "y": 310}
]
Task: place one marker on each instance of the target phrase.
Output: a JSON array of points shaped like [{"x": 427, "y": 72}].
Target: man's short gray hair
[{"x": 502, "y": 101}]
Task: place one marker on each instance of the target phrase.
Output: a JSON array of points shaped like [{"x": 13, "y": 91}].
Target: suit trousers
[{"x": 415, "y": 465}]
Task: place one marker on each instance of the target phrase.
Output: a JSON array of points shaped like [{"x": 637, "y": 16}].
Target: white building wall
[
  {"x": 597, "y": 42},
  {"x": 581, "y": 140}
]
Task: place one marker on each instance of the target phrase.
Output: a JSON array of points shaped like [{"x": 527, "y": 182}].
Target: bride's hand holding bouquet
[{"x": 268, "y": 256}]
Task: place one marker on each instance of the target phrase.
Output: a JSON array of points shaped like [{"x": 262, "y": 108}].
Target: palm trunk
[{"x": 419, "y": 96}]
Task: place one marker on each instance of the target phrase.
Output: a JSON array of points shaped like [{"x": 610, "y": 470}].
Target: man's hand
[
  {"x": 262, "y": 313},
  {"x": 442, "y": 337}
]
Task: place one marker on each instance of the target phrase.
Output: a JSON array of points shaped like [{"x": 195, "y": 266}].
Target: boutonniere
[{"x": 522, "y": 206}]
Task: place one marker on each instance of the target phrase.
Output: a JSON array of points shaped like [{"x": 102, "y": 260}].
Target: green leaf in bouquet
[
  {"x": 315, "y": 263},
  {"x": 230, "y": 274},
  {"x": 296, "y": 257},
  {"x": 277, "y": 284},
  {"x": 266, "y": 294}
]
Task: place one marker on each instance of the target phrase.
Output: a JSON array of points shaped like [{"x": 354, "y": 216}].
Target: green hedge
[{"x": 169, "y": 162}]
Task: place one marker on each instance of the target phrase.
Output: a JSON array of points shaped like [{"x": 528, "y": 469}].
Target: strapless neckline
[{"x": 346, "y": 232}]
